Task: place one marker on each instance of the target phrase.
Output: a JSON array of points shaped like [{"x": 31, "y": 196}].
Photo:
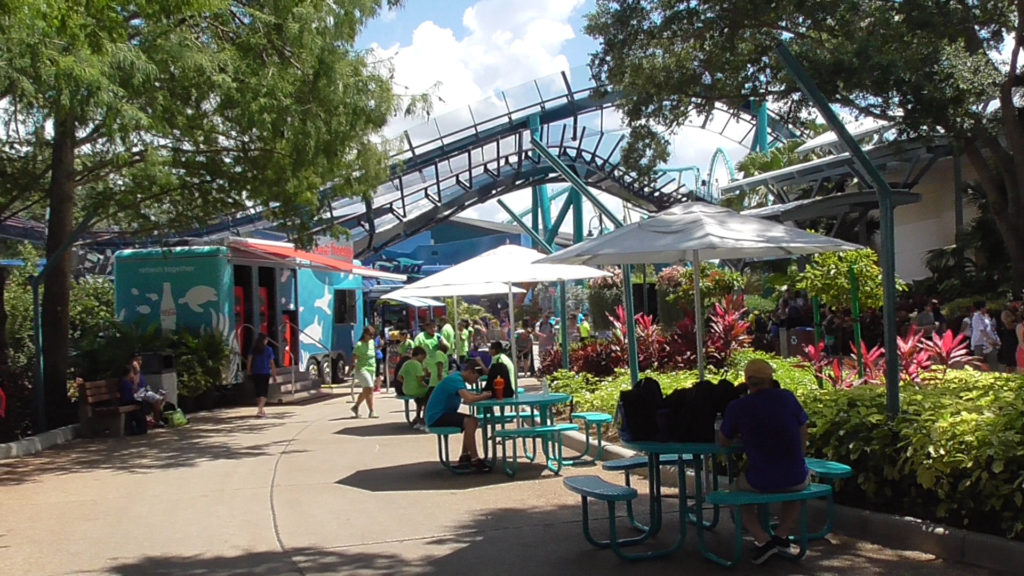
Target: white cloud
[{"x": 504, "y": 43}]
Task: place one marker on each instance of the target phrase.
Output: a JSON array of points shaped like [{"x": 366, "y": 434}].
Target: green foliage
[
  {"x": 715, "y": 284},
  {"x": 759, "y": 306},
  {"x": 466, "y": 310},
  {"x": 827, "y": 276},
  {"x": 952, "y": 456},
  {"x": 927, "y": 67},
  {"x": 201, "y": 360}
]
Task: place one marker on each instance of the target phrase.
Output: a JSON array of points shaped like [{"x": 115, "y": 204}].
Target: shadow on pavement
[
  {"x": 211, "y": 436},
  {"x": 515, "y": 541},
  {"x": 430, "y": 476},
  {"x": 378, "y": 430}
]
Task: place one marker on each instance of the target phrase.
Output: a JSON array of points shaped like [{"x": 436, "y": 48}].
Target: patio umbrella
[
  {"x": 509, "y": 264},
  {"x": 693, "y": 231}
]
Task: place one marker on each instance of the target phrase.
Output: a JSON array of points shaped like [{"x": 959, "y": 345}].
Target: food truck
[{"x": 308, "y": 303}]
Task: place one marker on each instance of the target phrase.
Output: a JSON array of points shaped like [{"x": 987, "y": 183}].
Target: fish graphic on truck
[{"x": 309, "y": 305}]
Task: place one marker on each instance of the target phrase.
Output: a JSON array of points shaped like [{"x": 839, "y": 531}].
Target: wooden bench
[
  {"x": 738, "y": 498},
  {"x": 443, "y": 452},
  {"x": 600, "y": 489},
  {"x": 551, "y": 433},
  {"x": 99, "y": 409}
]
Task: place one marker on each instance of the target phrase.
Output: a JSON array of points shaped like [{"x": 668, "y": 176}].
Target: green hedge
[{"x": 954, "y": 455}]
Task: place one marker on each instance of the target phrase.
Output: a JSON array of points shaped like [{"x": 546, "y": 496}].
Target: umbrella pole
[
  {"x": 563, "y": 326},
  {"x": 512, "y": 335},
  {"x": 627, "y": 299},
  {"x": 698, "y": 314},
  {"x": 455, "y": 314}
]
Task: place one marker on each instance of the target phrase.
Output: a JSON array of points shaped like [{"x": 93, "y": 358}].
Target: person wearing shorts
[
  {"x": 364, "y": 368},
  {"x": 412, "y": 378},
  {"x": 443, "y": 411},
  {"x": 260, "y": 370},
  {"x": 773, "y": 427}
]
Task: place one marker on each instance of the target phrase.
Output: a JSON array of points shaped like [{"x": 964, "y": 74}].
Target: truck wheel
[
  {"x": 313, "y": 369},
  {"x": 339, "y": 368},
  {"x": 326, "y": 371}
]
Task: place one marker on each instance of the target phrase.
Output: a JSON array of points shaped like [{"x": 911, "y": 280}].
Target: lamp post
[{"x": 37, "y": 339}]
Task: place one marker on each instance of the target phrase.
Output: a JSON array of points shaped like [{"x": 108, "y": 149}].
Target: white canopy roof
[
  {"x": 509, "y": 264},
  {"x": 414, "y": 301},
  {"x": 714, "y": 231}
]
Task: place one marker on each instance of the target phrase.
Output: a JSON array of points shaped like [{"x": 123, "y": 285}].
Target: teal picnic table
[
  {"x": 495, "y": 412},
  {"x": 689, "y": 453}
]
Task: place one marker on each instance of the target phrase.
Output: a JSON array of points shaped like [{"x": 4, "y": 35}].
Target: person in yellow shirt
[{"x": 584, "y": 328}]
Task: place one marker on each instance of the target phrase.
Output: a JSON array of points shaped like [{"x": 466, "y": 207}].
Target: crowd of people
[{"x": 998, "y": 340}]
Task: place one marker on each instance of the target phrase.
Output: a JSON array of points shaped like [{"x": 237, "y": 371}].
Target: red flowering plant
[
  {"x": 915, "y": 359},
  {"x": 680, "y": 351},
  {"x": 727, "y": 331},
  {"x": 650, "y": 342},
  {"x": 950, "y": 350}
]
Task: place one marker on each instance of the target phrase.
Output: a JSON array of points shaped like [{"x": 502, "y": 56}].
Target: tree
[
  {"x": 155, "y": 116},
  {"x": 828, "y": 277},
  {"x": 925, "y": 65}
]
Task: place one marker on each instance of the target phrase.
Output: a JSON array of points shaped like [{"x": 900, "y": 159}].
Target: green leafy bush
[
  {"x": 828, "y": 277},
  {"x": 201, "y": 360}
]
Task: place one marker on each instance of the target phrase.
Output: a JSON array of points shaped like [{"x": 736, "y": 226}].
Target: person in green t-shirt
[
  {"x": 447, "y": 333},
  {"x": 428, "y": 338},
  {"x": 405, "y": 348},
  {"x": 437, "y": 364},
  {"x": 413, "y": 378},
  {"x": 364, "y": 360},
  {"x": 501, "y": 365},
  {"x": 465, "y": 337}
]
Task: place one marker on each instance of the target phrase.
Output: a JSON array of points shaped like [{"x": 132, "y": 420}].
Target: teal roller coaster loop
[{"x": 720, "y": 154}]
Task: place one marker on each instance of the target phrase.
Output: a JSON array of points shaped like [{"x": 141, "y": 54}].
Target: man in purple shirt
[{"x": 773, "y": 428}]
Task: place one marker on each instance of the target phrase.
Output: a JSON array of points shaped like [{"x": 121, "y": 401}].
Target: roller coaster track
[{"x": 471, "y": 155}]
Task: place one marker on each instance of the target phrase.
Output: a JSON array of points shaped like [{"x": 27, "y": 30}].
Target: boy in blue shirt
[{"x": 443, "y": 411}]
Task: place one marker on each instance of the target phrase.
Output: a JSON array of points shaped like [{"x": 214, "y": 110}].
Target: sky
[{"x": 462, "y": 50}]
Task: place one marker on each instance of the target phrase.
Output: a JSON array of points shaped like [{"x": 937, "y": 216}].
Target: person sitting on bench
[
  {"x": 443, "y": 411},
  {"x": 501, "y": 366},
  {"x": 133, "y": 391},
  {"x": 773, "y": 427},
  {"x": 412, "y": 378}
]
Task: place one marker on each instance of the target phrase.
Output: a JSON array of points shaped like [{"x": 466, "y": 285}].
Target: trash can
[
  {"x": 799, "y": 338},
  {"x": 159, "y": 373}
]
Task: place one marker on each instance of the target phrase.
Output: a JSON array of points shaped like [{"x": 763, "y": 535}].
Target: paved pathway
[{"x": 310, "y": 490}]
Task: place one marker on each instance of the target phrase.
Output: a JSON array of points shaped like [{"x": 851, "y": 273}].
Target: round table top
[{"x": 549, "y": 399}]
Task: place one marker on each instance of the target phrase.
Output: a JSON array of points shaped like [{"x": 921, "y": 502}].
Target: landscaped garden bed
[{"x": 954, "y": 454}]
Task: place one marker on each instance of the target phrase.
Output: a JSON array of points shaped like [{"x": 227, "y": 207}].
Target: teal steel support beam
[
  {"x": 563, "y": 302},
  {"x": 627, "y": 300},
  {"x": 886, "y": 217},
  {"x": 761, "y": 131},
  {"x": 533, "y": 235},
  {"x": 578, "y": 184},
  {"x": 577, "y": 215},
  {"x": 541, "y": 208},
  {"x": 552, "y": 232}
]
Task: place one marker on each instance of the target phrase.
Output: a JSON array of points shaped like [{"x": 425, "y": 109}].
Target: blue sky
[
  {"x": 398, "y": 26},
  {"x": 463, "y": 51}
]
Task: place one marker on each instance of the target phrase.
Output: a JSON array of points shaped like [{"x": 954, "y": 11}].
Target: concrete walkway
[{"x": 310, "y": 490}]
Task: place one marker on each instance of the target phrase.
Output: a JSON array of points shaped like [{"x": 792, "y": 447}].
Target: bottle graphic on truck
[{"x": 168, "y": 312}]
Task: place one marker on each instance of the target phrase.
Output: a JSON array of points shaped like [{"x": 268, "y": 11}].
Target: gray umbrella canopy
[
  {"x": 691, "y": 232},
  {"x": 716, "y": 232}
]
